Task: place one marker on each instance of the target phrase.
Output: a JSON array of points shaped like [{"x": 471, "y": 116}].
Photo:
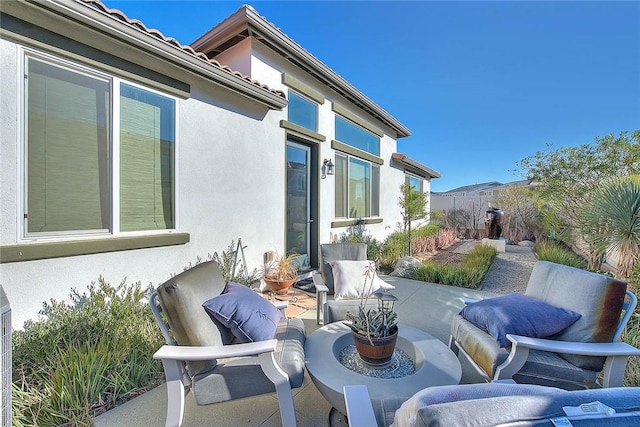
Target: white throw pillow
[{"x": 349, "y": 279}]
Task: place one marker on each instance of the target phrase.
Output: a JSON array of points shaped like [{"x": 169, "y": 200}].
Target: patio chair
[
  {"x": 504, "y": 404},
  {"x": 203, "y": 356},
  {"x": 570, "y": 358},
  {"x": 324, "y": 282}
]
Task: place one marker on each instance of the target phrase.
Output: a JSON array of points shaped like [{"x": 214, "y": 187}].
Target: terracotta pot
[
  {"x": 279, "y": 285},
  {"x": 380, "y": 352}
]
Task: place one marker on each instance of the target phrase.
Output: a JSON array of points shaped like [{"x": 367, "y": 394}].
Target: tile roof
[{"x": 120, "y": 16}]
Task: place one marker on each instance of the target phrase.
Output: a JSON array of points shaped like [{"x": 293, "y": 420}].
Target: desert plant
[
  {"x": 610, "y": 221},
  {"x": 281, "y": 268},
  {"x": 81, "y": 358},
  {"x": 373, "y": 322},
  {"x": 232, "y": 268},
  {"x": 548, "y": 250}
]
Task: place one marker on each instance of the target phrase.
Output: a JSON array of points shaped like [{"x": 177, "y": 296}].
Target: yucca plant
[{"x": 611, "y": 221}]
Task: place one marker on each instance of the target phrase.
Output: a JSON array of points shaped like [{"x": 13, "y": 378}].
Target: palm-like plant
[{"x": 611, "y": 221}]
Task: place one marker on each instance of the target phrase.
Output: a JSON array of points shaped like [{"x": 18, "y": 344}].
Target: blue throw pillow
[
  {"x": 249, "y": 316},
  {"x": 519, "y": 315}
]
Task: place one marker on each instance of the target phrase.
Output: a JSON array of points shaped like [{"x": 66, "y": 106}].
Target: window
[
  {"x": 72, "y": 138},
  {"x": 414, "y": 182},
  {"x": 357, "y": 137},
  {"x": 302, "y": 112},
  {"x": 357, "y": 188}
]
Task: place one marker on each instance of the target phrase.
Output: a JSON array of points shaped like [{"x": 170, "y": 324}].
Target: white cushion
[{"x": 349, "y": 279}]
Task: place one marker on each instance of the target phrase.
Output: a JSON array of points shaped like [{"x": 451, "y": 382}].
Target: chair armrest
[
  {"x": 359, "y": 409},
  {"x": 617, "y": 354},
  {"x": 319, "y": 283},
  {"x": 193, "y": 353},
  {"x": 321, "y": 295},
  {"x": 581, "y": 348}
]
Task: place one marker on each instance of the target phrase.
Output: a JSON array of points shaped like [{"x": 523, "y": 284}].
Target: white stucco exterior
[{"x": 230, "y": 177}]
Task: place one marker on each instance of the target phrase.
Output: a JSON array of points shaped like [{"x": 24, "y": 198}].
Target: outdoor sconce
[{"x": 327, "y": 168}]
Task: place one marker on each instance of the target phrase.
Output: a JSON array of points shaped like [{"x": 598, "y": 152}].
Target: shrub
[
  {"x": 631, "y": 333},
  {"x": 81, "y": 358},
  {"x": 548, "y": 250},
  {"x": 358, "y": 234},
  {"x": 469, "y": 275},
  {"x": 394, "y": 248}
]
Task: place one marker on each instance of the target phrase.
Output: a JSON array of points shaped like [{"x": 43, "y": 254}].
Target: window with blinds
[
  {"x": 357, "y": 188},
  {"x": 67, "y": 150},
  {"x": 146, "y": 160},
  {"x": 70, "y": 146}
]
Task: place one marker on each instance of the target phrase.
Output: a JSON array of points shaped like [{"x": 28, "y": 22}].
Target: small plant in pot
[
  {"x": 280, "y": 273},
  {"x": 374, "y": 328}
]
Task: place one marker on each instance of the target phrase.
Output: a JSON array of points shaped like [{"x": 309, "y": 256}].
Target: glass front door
[{"x": 298, "y": 199}]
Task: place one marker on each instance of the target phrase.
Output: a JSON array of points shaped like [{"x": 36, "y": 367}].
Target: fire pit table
[{"x": 433, "y": 362}]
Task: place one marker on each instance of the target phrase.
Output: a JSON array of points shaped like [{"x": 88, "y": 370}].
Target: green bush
[
  {"x": 81, "y": 358},
  {"x": 631, "y": 333},
  {"x": 426, "y": 231},
  {"x": 469, "y": 275},
  {"x": 394, "y": 248},
  {"x": 548, "y": 250}
]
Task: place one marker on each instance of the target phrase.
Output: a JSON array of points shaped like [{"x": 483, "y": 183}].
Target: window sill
[
  {"x": 351, "y": 222},
  {"x": 35, "y": 251},
  {"x": 300, "y": 131}
]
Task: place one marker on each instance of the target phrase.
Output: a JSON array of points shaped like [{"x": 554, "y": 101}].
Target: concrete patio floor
[{"x": 426, "y": 306}]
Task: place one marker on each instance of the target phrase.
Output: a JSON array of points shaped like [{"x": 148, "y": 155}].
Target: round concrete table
[{"x": 435, "y": 365}]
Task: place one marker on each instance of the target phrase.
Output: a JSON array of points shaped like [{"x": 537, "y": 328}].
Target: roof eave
[
  {"x": 247, "y": 17},
  {"x": 106, "y": 24},
  {"x": 415, "y": 166}
]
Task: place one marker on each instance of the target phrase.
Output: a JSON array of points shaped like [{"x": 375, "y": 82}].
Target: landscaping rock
[
  {"x": 404, "y": 267},
  {"x": 526, "y": 243}
]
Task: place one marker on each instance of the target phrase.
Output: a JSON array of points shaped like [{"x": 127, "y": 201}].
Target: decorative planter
[
  {"x": 380, "y": 352},
  {"x": 279, "y": 285}
]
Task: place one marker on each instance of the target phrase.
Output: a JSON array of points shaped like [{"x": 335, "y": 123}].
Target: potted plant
[
  {"x": 280, "y": 273},
  {"x": 374, "y": 328}
]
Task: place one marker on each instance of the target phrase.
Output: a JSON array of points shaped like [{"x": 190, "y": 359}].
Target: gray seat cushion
[
  {"x": 339, "y": 251},
  {"x": 242, "y": 377}
]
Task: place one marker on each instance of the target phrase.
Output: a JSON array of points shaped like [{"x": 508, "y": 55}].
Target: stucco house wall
[{"x": 230, "y": 151}]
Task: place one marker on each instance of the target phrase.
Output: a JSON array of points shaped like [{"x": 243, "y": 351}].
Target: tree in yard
[
  {"x": 569, "y": 176},
  {"x": 414, "y": 207},
  {"x": 611, "y": 221},
  {"x": 523, "y": 212}
]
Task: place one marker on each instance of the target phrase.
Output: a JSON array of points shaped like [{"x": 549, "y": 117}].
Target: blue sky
[{"x": 480, "y": 84}]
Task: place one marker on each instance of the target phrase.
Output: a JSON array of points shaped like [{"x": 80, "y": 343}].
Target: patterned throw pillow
[{"x": 249, "y": 316}]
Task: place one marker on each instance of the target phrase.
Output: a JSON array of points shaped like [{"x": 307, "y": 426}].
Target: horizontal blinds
[
  {"x": 146, "y": 160},
  {"x": 67, "y": 150}
]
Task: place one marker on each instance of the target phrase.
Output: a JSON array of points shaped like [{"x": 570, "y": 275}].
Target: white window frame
[{"x": 114, "y": 152}]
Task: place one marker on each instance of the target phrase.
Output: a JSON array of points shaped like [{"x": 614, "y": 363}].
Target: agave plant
[
  {"x": 374, "y": 322},
  {"x": 610, "y": 221}
]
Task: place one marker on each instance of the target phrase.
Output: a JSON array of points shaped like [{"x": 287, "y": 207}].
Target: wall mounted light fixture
[{"x": 327, "y": 168}]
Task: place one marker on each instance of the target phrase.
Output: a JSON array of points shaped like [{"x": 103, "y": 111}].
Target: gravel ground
[{"x": 510, "y": 270}]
